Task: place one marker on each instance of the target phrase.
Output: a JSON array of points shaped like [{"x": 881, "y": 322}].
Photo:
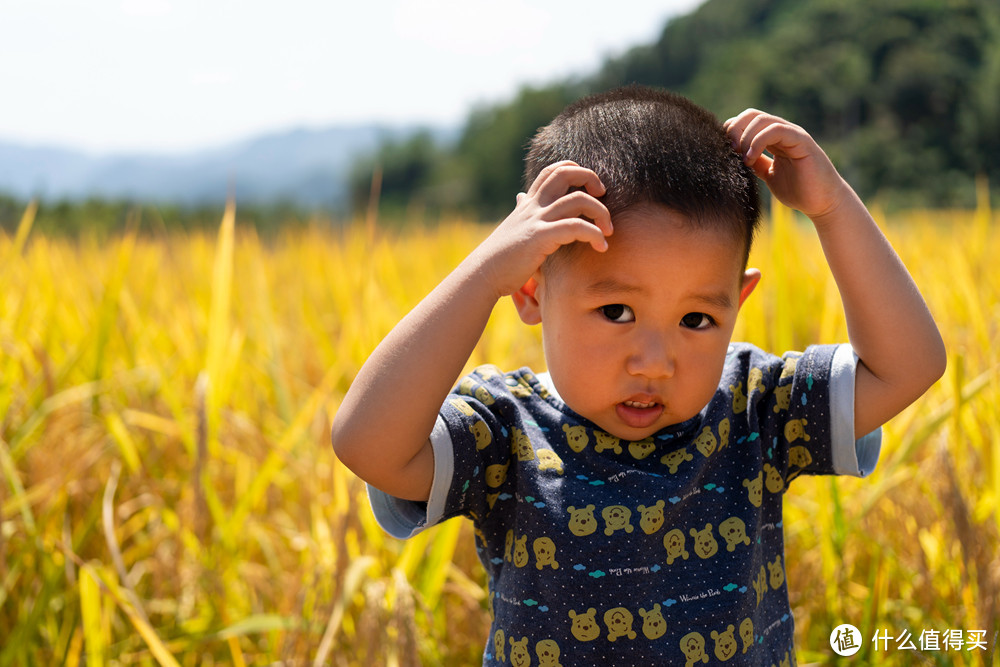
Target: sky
[{"x": 169, "y": 76}]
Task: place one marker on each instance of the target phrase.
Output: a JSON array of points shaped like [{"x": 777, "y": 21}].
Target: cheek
[
  {"x": 576, "y": 344},
  {"x": 582, "y": 367},
  {"x": 709, "y": 354}
]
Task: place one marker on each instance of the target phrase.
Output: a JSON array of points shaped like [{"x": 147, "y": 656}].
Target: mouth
[{"x": 639, "y": 413}]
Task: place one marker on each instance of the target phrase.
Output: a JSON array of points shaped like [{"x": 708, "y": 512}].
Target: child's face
[{"x": 636, "y": 337}]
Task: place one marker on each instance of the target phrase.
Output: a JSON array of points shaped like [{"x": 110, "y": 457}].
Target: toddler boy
[{"x": 627, "y": 503}]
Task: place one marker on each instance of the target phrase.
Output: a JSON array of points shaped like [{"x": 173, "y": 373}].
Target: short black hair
[{"x": 652, "y": 146}]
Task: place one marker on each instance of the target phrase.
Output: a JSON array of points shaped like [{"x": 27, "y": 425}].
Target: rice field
[{"x": 169, "y": 495}]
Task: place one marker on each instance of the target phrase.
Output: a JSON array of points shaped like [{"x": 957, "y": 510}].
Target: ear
[
  {"x": 750, "y": 279},
  {"x": 526, "y": 302}
]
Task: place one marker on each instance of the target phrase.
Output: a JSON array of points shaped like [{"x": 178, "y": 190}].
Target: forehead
[{"x": 654, "y": 243}]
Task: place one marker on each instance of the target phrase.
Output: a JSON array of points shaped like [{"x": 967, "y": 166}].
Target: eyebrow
[
  {"x": 718, "y": 299},
  {"x": 612, "y": 286}
]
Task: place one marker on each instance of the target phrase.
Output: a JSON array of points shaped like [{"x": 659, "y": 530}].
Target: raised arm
[
  {"x": 889, "y": 325},
  {"x": 381, "y": 430}
]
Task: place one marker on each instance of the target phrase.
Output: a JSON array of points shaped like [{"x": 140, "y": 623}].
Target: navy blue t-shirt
[{"x": 668, "y": 550}]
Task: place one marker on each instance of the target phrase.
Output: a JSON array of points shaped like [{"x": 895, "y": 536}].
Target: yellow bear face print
[
  {"x": 788, "y": 370},
  {"x": 545, "y": 553},
  {"x": 481, "y": 432},
  {"x": 653, "y": 623},
  {"x": 619, "y": 622},
  {"x": 746, "y": 634},
  {"x": 607, "y": 441},
  {"x": 616, "y": 517},
  {"x": 521, "y": 551},
  {"x": 519, "y": 656},
  {"x": 799, "y": 456},
  {"x": 674, "y": 459},
  {"x": 693, "y": 648},
  {"x": 508, "y": 545},
  {"x": 496, "y": 474},
  {"x": 467, "y": 386},
  {"x": 724, "y": 433},
  {"x": 498, "y": 645},
  {"x": 548, "y": 653},
  {"x": 706, "y": 442},
  {"x": 734, "y": 532},
  {"x": 543, "y": 391},
  {"x": 484, "y": 396},
  {"x": 462, "y": 407},
  {"x": 725, "y": 644},
  {"x": 782, "y": 397},
  {"x": 795, "y": 429},
  {"x": 549, "y": 460},
  {"x": 773, "y": 480},
  {"x": 739, "y": 398},
  {"x": 760, "y": 584},
  {"x": 641, "y": 449},
  {"x": 704, "y": 541},
  {"x": 777, "y": 573},
  {"x": 673, "y": 541},
  {"x": 584, "y": 626},
  {"x": 755, "y": 489},
  {"x": 651, "y": 518},
  {"x": 519, "y": 389},
  {"x": 576, "y": 437},
  {"x": 520, "y": 444},
  {"x": 755, "y": 380},
  {"x": 582, "y": 521}
]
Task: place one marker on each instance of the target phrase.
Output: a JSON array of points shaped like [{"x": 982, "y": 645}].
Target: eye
[
  {"x": 697, "y": 321},
  {"x": 618, "y": 312}
]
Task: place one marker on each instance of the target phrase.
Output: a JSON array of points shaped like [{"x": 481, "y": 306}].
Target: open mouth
[{"x": 639, "y": 414}]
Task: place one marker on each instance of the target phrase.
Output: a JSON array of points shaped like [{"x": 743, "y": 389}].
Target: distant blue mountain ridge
[{"x": 308, "y": 167}]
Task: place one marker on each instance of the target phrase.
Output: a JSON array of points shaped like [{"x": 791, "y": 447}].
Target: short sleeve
[
  {"x": 472, "y": 441},
  {"x": 803, "y": 411},
  {"x": 405, "y": 518},
  {"x": 850, "y": 457}
]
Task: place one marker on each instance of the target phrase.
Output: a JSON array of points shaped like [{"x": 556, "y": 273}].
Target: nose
[{"x": 652, "y": 354}]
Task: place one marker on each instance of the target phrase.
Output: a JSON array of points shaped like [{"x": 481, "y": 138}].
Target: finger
[
  {"x": 780, "y": 138},
  {"x": 751, "y": 127},
  {"x": 580, "y": 204},
  {"x": 546, "y": 173},
  {"x": 567, "y": 178},
  {"x": 761, "y": 166},
  {"x": 736, "y": 126},
  {"x": 572, "y": 230}
]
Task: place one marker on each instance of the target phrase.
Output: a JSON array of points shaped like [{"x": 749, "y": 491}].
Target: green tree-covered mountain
[{"x": 903, "y": 94}]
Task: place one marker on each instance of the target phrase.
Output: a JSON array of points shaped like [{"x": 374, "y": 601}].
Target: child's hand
[
  {"x": 559, "y": 208},
  {"x": 800, "y": 174},
  {"x": 894, "y": 336}
]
